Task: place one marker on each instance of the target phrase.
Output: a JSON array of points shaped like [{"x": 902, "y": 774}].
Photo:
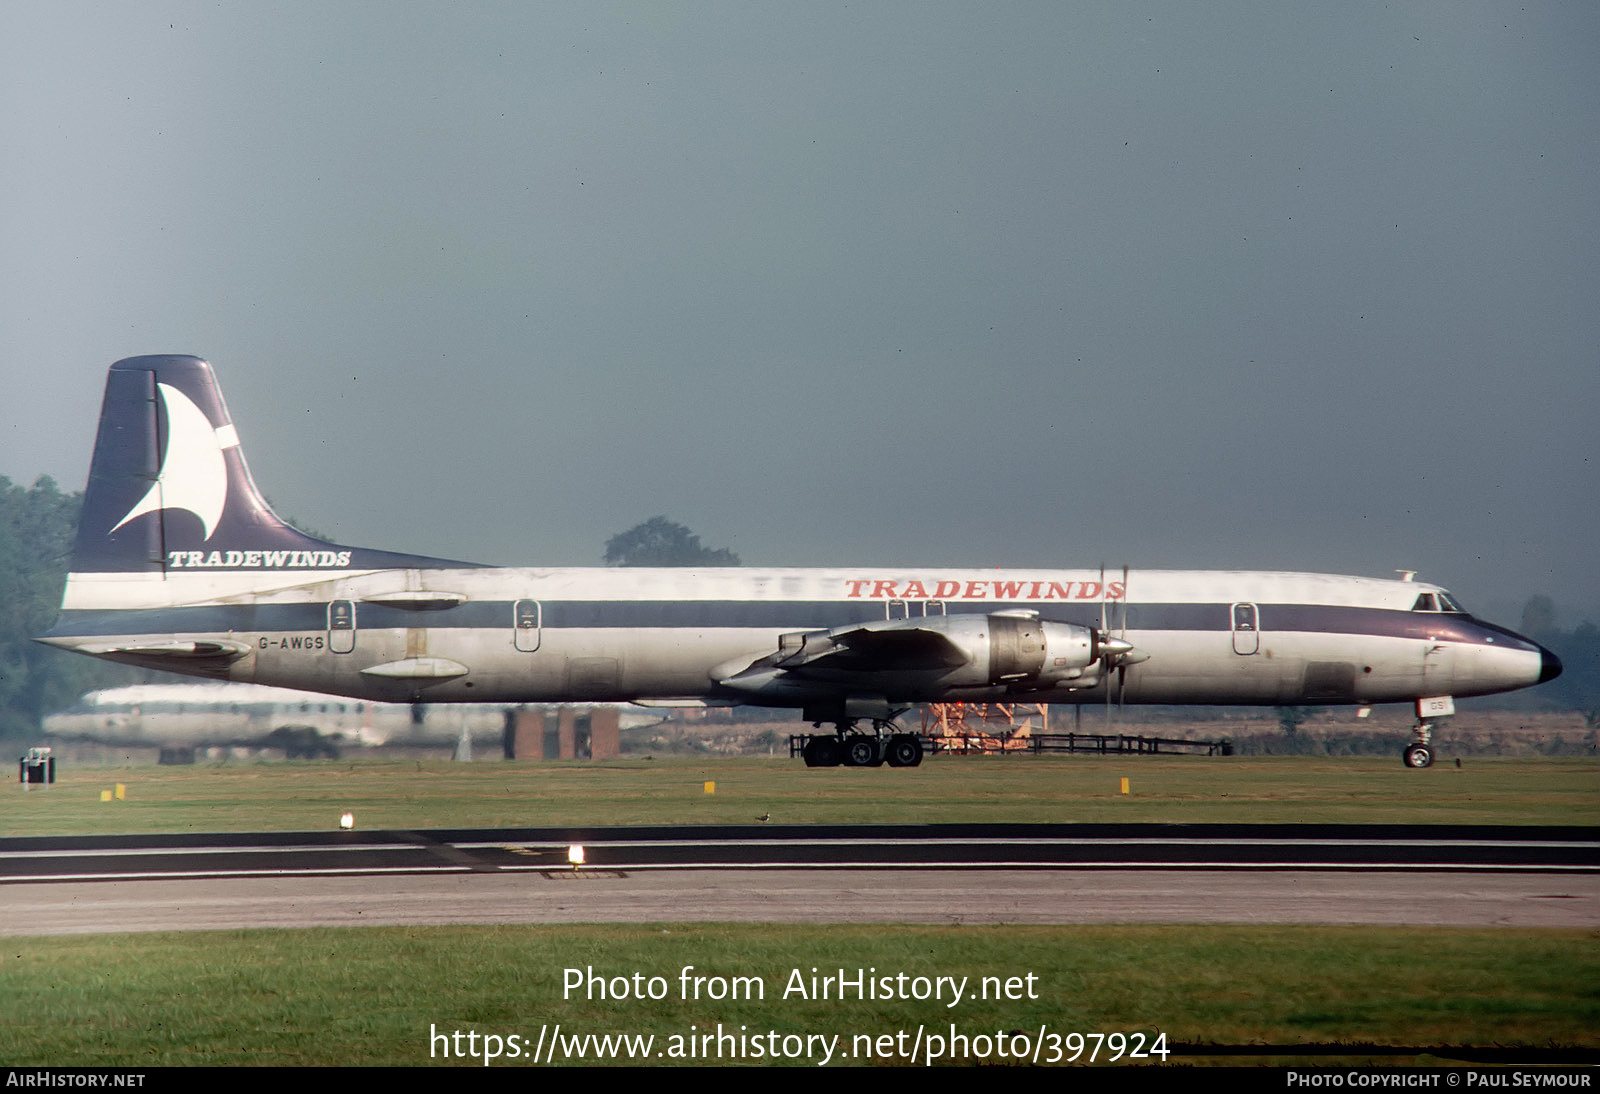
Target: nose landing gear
[{"x": 1417, "y": 754}]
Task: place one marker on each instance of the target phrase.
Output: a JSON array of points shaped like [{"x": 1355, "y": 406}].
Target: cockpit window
[
  {"x": 1440, "y": 602},
  {"x": 1448, "y": 603}
]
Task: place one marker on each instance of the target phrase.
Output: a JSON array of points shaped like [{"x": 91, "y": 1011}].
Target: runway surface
[
  {"x": 806, "y": 896},
  {"x": 1382, "y": 875},
  {"x": 1110, "y": 846}
]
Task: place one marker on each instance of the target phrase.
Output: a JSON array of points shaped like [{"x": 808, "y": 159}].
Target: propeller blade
[{"x": 1122, "y": 662}]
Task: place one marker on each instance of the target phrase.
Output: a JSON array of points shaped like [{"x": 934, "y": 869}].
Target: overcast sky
[{"x": 1288, "y": 286}]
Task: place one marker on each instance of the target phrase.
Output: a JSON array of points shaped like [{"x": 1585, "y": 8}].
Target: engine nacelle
[{"x": 1023, "y": 650}]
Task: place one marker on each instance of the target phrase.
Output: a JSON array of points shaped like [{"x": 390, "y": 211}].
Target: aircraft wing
[
  {"x": 878, "y": 647},
  {"x": 923, "y": 657}
]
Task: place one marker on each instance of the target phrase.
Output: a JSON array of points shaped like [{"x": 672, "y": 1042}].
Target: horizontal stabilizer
[{"x": 151, "y": 653}]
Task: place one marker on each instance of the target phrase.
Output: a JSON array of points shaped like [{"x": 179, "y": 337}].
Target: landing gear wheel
[
  {"x": 1417, "y": 754},
  {"x": 822, "y": 752},
  {"x": 905, "y": 750},
  {"x": 861, "y": 751}
]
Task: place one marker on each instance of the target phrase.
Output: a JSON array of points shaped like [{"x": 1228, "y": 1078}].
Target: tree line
[
  {"x": 37, "y": 528},
  {"x": 1578, "y": 686}
]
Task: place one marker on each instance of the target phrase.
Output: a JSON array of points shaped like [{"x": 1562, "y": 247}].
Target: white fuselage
[{"x": 559, "y": 635}]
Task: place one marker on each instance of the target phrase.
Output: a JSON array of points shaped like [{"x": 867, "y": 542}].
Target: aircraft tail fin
[
  {"x": 168, "y": 481},
  {"x": 169, "y": 490}
]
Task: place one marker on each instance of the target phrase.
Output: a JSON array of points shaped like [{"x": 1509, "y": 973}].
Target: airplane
[
  {"x": 211, "y": 715},
  {"x": 181, "y": 565}
]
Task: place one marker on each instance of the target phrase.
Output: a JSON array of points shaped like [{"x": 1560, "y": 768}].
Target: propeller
[
  {"x": 1118, "y": 652},
  {"x": 1122, "y": 661},
  {"x": 1107, "y": 644}
]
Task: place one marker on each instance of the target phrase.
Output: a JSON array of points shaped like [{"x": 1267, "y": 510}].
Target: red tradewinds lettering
[{"x": 886, "y": 588}]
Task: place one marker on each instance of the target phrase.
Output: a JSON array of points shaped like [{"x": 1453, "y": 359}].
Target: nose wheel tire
[{"x": 1417, "y": 755}]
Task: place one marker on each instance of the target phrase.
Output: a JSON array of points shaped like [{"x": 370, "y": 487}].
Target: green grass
[
  {"x": 307, "y": 796},
  {"x": 340, "y": 996},
  {"x": 371, "y": 996}
]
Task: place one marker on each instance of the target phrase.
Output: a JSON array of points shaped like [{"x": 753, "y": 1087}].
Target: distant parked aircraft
[{"x": 206, "y": 715}]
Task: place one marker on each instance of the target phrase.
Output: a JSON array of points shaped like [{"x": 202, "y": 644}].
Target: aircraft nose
[{"x": 1549, "y": 665}]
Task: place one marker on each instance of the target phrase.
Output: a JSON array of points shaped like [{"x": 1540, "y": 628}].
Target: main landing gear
[{"x": 852, "y": 748}]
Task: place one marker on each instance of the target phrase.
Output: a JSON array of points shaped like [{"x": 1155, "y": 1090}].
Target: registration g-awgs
[{"x": 181, "y": 565}]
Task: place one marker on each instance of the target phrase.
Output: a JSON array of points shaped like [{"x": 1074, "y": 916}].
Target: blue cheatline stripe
[{"x": 769, "y": 615}]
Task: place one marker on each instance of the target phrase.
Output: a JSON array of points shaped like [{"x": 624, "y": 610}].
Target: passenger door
[{"x": 1246, "y": 627}]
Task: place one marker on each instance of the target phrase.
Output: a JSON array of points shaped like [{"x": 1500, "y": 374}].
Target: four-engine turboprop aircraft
[{"x": 181, "y": 565}]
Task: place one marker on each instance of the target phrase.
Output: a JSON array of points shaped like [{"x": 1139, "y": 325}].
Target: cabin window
[
  {"x": 526, "y": 619},
  {"x": 341, "y": 626}
]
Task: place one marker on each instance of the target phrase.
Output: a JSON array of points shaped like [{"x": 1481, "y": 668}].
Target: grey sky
[{"x": 1215, "y": 285}]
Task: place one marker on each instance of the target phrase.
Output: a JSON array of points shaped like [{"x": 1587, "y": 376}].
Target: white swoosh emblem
[{"x": 193, "y": 475}]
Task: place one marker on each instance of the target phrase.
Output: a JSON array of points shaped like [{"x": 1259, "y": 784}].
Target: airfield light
[
  {"x": 347, "y": 821},
  {"x": 575, "y": 855}
]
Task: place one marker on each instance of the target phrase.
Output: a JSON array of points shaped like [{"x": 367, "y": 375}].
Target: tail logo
[{"x": 193, "y": 475}]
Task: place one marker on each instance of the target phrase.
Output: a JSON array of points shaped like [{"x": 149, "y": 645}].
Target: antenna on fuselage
[{"x": 1407, "y": 575}]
